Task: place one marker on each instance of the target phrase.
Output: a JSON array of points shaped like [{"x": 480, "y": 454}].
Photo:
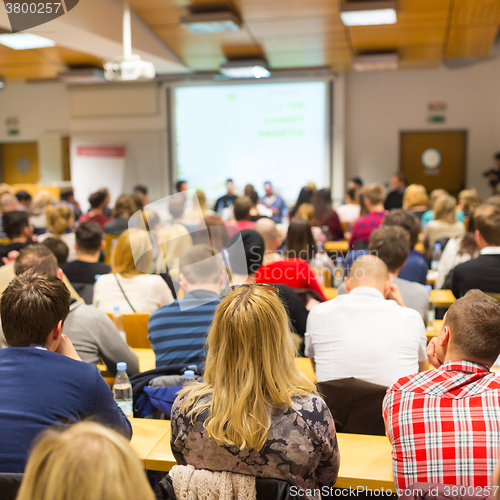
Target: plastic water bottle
[
  {"x": 338, "y": 273},
  {"x": 188, "y": 376},
  {"x": 122, "y": 390},
  {"x": 118, "y": 321},
  {"x": 431, "y": 313},
  {"x": 436, "y": 256},
  {"x": 317, "y": 268}
]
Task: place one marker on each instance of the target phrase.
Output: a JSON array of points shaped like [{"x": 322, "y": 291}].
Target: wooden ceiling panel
[
  {"x": 468, "y": 13},
  {"x": 290, "y": 43},
  {"x": 471, "y": 42},
  {"x": 296, "y": 27},
  {"x": 11, "y": 56},
  {"x": 426, "y": 52},
  {"x": 31, "y": 71},
  {"x": 266, "y": 9}
]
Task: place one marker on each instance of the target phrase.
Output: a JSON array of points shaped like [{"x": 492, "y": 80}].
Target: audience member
[
  {"x": 213, "y": 232},
  {"x": 41, "y": 201},
  {"x": 373, "y": 198},
  {"x": 124, "y": 209},
  {"x": 227, "y": 200},
  {"x": 91, "y": 332},
  {"x": 415, "y": 200},
  {"x": 299, "y": 242},
  {"x": 58, "y": 248},
  {"x": 456, "y": 251},
  {"x": 8, "y": 203},
  {"x": 253, "y": 402},
  {"x": 86, "y": 269},
  {"x": 143, "y": 190},
  {"x": 416, "y": 267},
  {"x": 305, "y": 196},
  {"x": 178, "y": 331},
  {"x": 242, "y": 207},
  {"x": 33, "y": 309},
  {"x": 96, "y": 213},
  {"x": 445, "y": 223},
  {"x": 274, "y": 202},
  {"x": 444, "y": 424},
  {"x": 268, "y": 230},
  {"x": 244, "y": 269},
  {"x": 395, "y": 197},
  {"x": 87, "y": 461},
  {"x": 354, "y": 335},
  {"x": 107, "y": 199},
  {"x": 139, "y": 199},
  {"x": 355, "y": 183},
  {"x": 429, "y": 215},
  {"x": 181, "y": 186},
  {"x": 17, "y": 228},
  {"x": 349, "y": 212},
  {"x": 493, "y": 174},
  {"x": 468, "y": 200},
  {"x": 325, "y": 215},
  {"x": 482, "y": 273},
  {"x": 60, "y": 222},
  {"x": 68, "y": 198},
  {"x": 129, "y": 286},
  {"x": 24, "y": 199},
  {"x": 258, "y": 210}
]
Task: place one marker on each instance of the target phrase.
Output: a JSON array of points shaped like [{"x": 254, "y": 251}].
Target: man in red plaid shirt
[
  {"x": 373, "y": 198},
  {"x": 444, "y": 424}
]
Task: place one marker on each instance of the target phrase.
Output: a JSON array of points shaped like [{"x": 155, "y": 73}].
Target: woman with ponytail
[{"x": 60, "y": 222}]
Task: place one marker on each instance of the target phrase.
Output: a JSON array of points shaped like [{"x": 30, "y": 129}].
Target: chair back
[
  {"x": 136, "y": 328},
  {"x": 356, "y": 405},
  {"x": 110, "y": 242},
  {"x": 9, "y": 485}
]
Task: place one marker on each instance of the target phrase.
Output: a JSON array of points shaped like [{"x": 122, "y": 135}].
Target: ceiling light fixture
[
  {"x": 245, "y": 68},
  {"x": 376, "y": 62},
  {"x": 211, "y": 22},
  {"x": 25, "y": 41},
  {"x": 368, "y": 13}
]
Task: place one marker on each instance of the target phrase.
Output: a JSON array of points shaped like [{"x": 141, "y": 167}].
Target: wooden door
[
  {"x": 434, "y": 159},
  {"x": 20, "y": 163}
]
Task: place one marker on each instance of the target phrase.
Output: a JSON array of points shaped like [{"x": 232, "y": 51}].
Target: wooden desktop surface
[
  {"x": 147, "y": 433},
  {"x": 337, "y": 246},
  {"x": 365, "y": 461}
]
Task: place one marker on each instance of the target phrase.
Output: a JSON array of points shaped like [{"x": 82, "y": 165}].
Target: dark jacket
[{"x": 482, "y": 273}]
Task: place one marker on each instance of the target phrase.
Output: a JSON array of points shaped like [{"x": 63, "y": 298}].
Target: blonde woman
[
  {"x": 129, "y": 286},
  {"x": 429, "y": 215},
  {"x": 41, "y": 201},
  {"x": 85, "y": 461},
  {"x": 255, "y": 412},
  {"x": 468, "y": 200},
  {"x": 59, "y": 222},
  {"x": 445, "y": 224},
  {"x": 416, "y": 200}
]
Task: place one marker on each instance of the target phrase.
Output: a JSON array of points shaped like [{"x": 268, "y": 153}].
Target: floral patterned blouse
[{"x": 301, "y": 446}]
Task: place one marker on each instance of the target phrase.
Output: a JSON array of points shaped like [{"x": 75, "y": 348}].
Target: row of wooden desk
[{"x": 365, "y": 461}]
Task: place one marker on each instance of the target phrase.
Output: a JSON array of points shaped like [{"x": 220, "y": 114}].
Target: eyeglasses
[{"x": 232, "y": 288}]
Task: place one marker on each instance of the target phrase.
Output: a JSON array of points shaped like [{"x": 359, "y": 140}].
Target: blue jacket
[{"x": 39, "y": 389}]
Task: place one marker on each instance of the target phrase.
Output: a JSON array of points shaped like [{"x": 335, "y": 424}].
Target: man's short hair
[
  {"x": 8, "y": 203},
  {"x": 23, "y": 196},
  {"x": 31, "y": 307},
  {"x": 142, "y": 189},
  {"x": 66, "y": 193},
  {"x": 358, "y": 181},
  {"x": 406, "y": 220},
  {"x": 374, "y": 193},
  {"x": 178, "y": 185},
  {"x": 58, "y": 248},
  {"x": 36, "y": 257},
  {"x": 242, "y": 207},
  {"x": 487, "y": 222},
  {"x": 14, "y": 223},
  {"x": 392, "y": 246},
  {"x": 88, "y": 236},
  {"x": 97, "y": 199},
  {"x": 199, "y": 266},
  {"x": 401, "y": 176},
  {"x": 474, "y": 321}
]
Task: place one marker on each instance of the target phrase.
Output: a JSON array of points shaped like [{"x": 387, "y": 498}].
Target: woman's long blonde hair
[
  {"x": 59, "y": 218},
  {"x": 132, "y": 254},
  {"x": 445, "y": 209},
  {"x": 250, "y": 366},
  {"x": 85, "y": 461},
  {"x": 415, "y": 196}
]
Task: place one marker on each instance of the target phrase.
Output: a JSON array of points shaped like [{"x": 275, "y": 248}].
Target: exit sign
[{"x": 436, "y": 119}]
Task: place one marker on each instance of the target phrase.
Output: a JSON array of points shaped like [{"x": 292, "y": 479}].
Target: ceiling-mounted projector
[
  {"x": 132, "y": 68},
  {"x": 128, "y": 67}
]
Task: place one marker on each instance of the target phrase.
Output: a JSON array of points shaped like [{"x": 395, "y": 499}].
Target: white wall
[{"x": 380, "y": 105}]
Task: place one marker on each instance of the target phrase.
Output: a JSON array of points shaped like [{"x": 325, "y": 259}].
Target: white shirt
[
  {"x": 490, "y": 251},
  {"x": 146, "y": 293},
  {"x": 365, "y": 336}
]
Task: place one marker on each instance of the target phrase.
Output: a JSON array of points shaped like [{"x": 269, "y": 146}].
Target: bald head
[
  {"x": 8, "y": 203},
  {"x": 368, "y": 270},
  {"x": 268, "y": 230}
]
